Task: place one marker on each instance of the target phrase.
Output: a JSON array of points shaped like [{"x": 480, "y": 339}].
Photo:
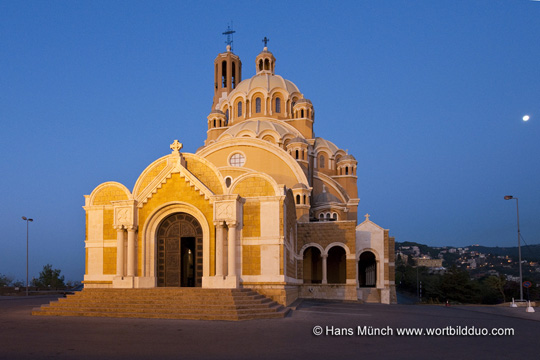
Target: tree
[
  {"x": 49, "y": 277},
  {"x": 497, "y": 283},
  {"x": 5, "y": 280}
]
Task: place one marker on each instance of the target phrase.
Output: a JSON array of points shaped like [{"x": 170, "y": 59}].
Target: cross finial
[
  {"x": 229, "y": 32},
  {"x": 367, "y": 217},
  {"x": 265, "y": 41},
  {"x": 176, "y": 146}
]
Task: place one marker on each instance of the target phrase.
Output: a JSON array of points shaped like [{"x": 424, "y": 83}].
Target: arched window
[
  {"x": 266, "y": 64},
  {"x": 278, "y": 105},
  {"x": 334, "y": 216},
  {"x": 346, "y": 170},
  {"x": 304, "y": 199},
  {"x": 226, "y": 116},
  {"x": 321, "y": 161},
  {"x": 228, "y": 181},
  {"x": 224, "y": 74},
  {"x": 239, "y": 109},
  {"x": 258, "y": 105},
  {"x": 233, "y": 79},
  {"x": 296, "y": 154},
  {"x": 302, "y": 113},
  {"x": 260, "y": 65},
  {"x": 321, "y": 216},
  {"x": 327, "y": 216},
  {"x": 214, "y": 122},
  {"x": 298, "y": 199}
]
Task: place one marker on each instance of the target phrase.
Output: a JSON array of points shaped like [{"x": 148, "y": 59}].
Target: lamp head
[
  {"x": 508, "y": 197},
  {"x": 24, "y": 218}
]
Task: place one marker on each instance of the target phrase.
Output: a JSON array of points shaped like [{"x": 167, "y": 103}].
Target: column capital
[
  {"x": 219, "y": 223},
  {"x": 118, "y": 227},
  {"x": 232, "y": 224},
  {"x": 324, "y": 256},
  {"x": 131, "y": 227}
]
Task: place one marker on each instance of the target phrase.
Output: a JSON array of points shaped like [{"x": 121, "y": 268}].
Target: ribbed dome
[
  {"x": 321, "y": 143},
  {"x": 267, "y": 82},
  {"x": 304, "y": 101},
  {"x": 258, "y": 126},
  {"x": 326, "y": 198},
  {"x": 346, "y": 157},
  {"x": 298, "y": 140}
]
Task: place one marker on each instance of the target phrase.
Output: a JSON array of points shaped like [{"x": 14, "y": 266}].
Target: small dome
[
  {"x": 320, "y": 143},
  {"x": 300, "y": 186},
  {"x": 304, "y": 101},
  {"x": 326, "y": 198},
  {"x": 298, "y": 140},
  {"x": 346, "y": 157},
  {"x": 217, "y": 112}
]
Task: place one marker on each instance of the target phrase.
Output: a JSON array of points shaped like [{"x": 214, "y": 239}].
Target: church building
[{"x": 264, "y": 204}]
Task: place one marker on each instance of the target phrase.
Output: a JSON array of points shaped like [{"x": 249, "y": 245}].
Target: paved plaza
[{"x": 23, "y": 336}]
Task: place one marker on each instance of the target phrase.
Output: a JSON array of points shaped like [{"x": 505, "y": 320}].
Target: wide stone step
[
  {"x": 166, "y": 303},
  {"x": 138, "y": 310},
  {"x": 196, "y": 316},
  {"x": 165, "y": 307}
]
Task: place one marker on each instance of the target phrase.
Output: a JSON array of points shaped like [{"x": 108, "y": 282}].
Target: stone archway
[
  {"x": 179, "y": 251},
  {"x": 313, "y": 272},
  {"x": 367, "y": 270}
]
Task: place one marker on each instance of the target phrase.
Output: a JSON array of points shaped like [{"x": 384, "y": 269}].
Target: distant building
[{"x": 430, "y": 263}]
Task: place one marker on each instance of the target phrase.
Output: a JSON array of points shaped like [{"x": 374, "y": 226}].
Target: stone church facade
[{"x": 264, "y": 204}]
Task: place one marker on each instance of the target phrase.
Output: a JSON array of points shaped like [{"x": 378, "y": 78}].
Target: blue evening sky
[{"x": 427, "y": 95}]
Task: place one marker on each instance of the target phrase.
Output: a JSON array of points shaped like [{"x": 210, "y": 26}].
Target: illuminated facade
[{"x": 264, "y": 204}]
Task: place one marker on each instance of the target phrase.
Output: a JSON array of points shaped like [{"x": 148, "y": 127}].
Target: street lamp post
[
  {"x": 27, "y": 220},
  {"x": 510, "y": 197}
]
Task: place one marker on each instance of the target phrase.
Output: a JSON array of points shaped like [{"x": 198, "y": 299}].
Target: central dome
[{"x": 265, "y": 81}]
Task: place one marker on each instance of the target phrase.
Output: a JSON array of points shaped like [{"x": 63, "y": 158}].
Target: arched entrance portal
[{"x": 179, "y": 251}]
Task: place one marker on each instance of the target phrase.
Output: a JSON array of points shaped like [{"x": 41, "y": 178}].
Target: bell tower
[{"x": 227, "y": 74}]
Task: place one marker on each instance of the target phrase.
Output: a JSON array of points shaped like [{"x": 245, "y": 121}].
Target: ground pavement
[{"x": 345, "y": 333}]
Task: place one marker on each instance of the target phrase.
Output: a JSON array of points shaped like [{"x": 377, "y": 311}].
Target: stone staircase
[
  {"x": 167, "y": 303},
  {"x": 370, "y": 295}
]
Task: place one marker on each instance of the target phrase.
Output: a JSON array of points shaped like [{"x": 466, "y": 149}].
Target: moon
[{"x": 526, "y": 118}]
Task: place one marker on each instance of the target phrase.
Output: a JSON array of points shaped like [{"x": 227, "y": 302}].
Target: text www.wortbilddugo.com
[{"x": 389, "y": 331}]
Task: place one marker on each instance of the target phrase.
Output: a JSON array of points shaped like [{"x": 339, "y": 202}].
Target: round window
[{"x": 237, "y": 160}]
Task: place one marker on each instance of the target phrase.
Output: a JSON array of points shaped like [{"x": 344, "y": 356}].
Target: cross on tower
[
  {"x": 229, "y": 32},
  {"x": 367, "y": 217},
  {"x": 265, "y": 41},
  {"x": 176, "y": 146}
]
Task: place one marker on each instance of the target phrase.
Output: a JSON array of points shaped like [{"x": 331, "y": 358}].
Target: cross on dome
[
  {"x": 265, "y": 41},
  {"x": 176, "y": 146}
]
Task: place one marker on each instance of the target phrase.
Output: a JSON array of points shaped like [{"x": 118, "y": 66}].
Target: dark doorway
[
  {"x": 367, "y": 270},
  {"x": 179, "y": 251}
]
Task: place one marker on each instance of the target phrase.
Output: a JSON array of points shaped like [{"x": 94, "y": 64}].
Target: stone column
[
  {"x": 119, "y": 250},
  {"x": 232, "y": 248},
  {"x": 220, "y": 229},
  {"x": 131, "y": 259},
  {"x": 324, "y": 257}
]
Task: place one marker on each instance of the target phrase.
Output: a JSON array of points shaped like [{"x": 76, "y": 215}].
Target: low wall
[{"x": 328, "y": 291}]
